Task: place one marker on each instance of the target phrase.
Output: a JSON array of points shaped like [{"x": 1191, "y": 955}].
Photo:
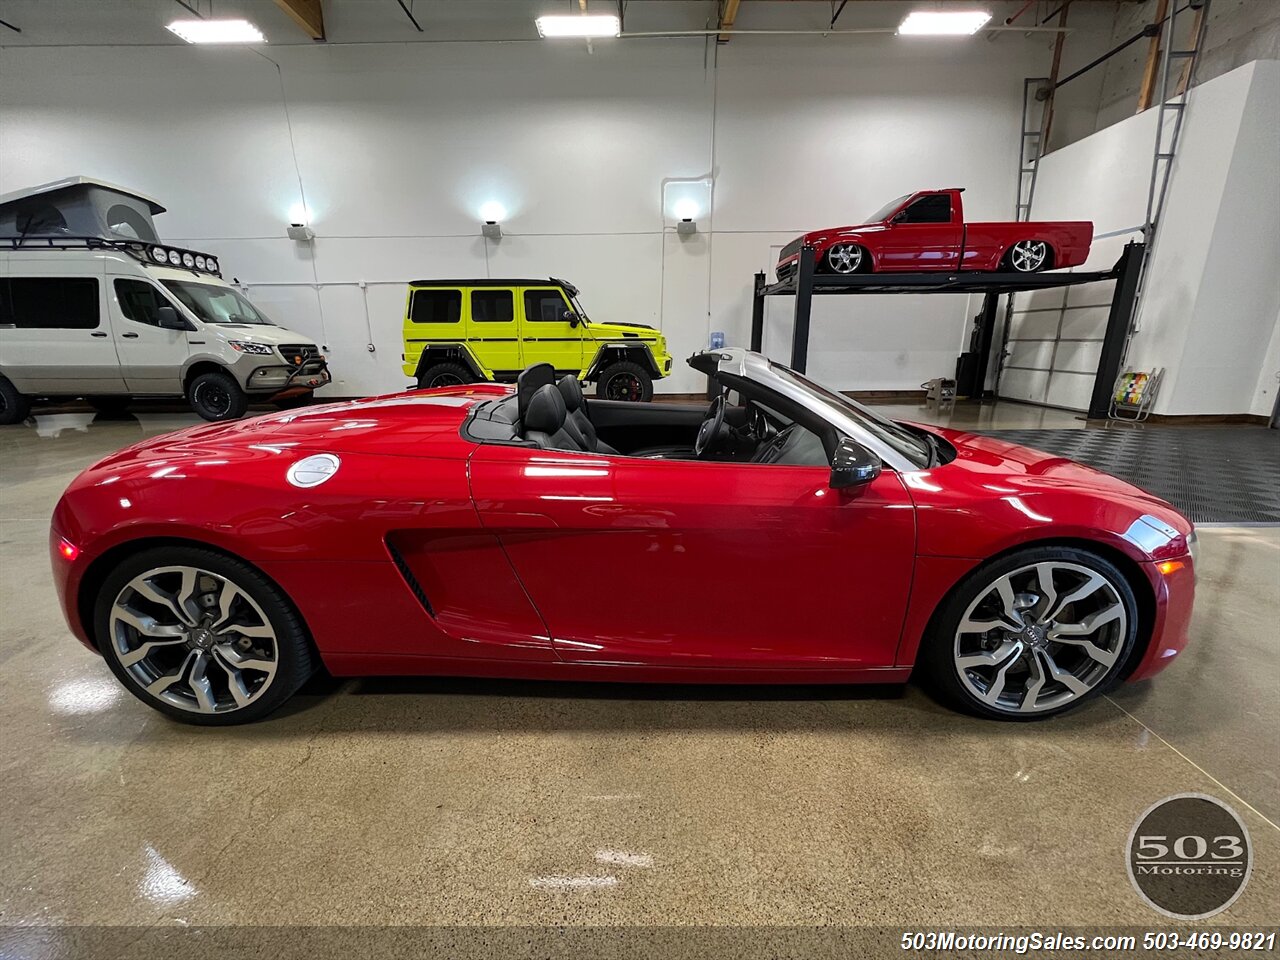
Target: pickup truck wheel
[
  {"x": 847, "y": 258},
  {"x": 14, "y": 407},
  {"x": 625, "y": 380},
  {"x": 444, "y": 375},
  {"x": 1028, "y": 256},
  {"x": 216, "y": 396}
]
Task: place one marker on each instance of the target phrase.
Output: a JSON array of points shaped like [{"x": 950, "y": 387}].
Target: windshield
[
  {"x": 214, "y": 303},
  {"x": 915, "y": 448},
  {"x": 577, "y": 306},
  {"x": 883, "y": 213}
]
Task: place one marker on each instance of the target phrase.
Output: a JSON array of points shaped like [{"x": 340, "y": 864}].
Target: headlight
[
  {"x": 199, "y": 262},
  {"x": 159, "y": 254},
  {"x": 175, "y": 258},
  {"x": 188, "y": 261},
  {"x": 244, "y": 346}
]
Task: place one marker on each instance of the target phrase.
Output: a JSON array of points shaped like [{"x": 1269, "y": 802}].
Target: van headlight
[{"x": 245, "y": 346}]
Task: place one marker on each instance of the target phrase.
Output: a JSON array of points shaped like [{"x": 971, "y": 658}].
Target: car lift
[{"x": 806, "y": 283}]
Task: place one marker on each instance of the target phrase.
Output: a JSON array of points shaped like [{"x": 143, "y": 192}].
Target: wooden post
[{"x": 1152, "y": 68}]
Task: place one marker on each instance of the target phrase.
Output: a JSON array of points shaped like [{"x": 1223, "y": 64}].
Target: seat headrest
[
  {"x": 546, "y": 412},
  {"x": 531, "y": 378},
  {"x": 571, "y": 390}
]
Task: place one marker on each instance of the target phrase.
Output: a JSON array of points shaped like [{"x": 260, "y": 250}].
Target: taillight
[{"x": 68, "y": 549}]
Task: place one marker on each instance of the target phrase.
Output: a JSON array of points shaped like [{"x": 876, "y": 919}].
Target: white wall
[{"x": 396, "y": 146}]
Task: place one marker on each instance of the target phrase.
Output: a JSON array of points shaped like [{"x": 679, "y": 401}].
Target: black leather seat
[
  {"x": 578, "y": 419},
  {"x": 544, "y": 419},
  {"x": 531, "y": 378}
]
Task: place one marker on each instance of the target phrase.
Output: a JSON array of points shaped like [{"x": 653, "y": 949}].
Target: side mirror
[
  {"x": 853, "y": 465},
  {"x": 571, "y": 317},
  {"x": 899, "y": 217},
  {"x": 167, "y": 319}
]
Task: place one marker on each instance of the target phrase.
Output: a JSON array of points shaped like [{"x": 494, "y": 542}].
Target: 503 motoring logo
[{"x": 1189, "y": 856}]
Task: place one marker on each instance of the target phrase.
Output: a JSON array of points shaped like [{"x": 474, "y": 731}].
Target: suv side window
[
  {"x": 492, "y": 306},
  {"x": 544, "y": 305},
  {"x": 49, "y": 303},
  {"x": 436, "y": 306},
  {"x": 935, "y": 208},
  {"x": 139, "y": 301}
]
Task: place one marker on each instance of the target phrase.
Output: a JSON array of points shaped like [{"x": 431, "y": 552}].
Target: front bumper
[
  {"x": 309, "y": 375},
  {"x": 1174, "y": 585}
]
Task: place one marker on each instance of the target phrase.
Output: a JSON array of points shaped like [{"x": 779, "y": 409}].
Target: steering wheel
[{"x": 710, "y": 428}]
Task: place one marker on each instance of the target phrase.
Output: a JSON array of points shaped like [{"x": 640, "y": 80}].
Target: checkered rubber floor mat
[{"x": 1211, "y": 474}]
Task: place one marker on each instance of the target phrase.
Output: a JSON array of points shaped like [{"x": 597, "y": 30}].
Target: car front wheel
[
  {"x": 200, "y": 636},
  {"x": 847, "y": 258},
  {"x": 1033, "y": 634},
  {"x": 216, "y": 396},
  {"x": 625, "y": 380}
]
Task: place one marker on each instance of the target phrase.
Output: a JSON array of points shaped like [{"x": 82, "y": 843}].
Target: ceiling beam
[
  {"x": 728, "y": 14},
  {"x": 306, "y": 14}
]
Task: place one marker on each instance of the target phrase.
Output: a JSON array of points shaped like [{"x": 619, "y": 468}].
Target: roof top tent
[{"x": 78, "y": 207}]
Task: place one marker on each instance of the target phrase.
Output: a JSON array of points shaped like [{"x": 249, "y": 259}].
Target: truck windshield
[
  {"x": 883, "y": 213},
  {"x": 577, "y": 307},
  {"x": 214, "y": 303}
]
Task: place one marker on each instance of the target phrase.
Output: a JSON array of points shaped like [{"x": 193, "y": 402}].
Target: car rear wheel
[
  {"x": 200, "y": 636},
  {"x": 847, "y": 258},
  {"x": 1028, "y": 256},
  {"x": 446, "y": 374},
  {"x": 1032, "y": 634},
  {"x": 625, "y": 380},
  {"x": 216, "y": 396},
  {"x": 14, "y": 407}
]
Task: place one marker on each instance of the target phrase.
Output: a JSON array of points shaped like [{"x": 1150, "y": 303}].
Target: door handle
[
  {"x": 129, "y": 336},
  {"x": 98, "y": 333}
]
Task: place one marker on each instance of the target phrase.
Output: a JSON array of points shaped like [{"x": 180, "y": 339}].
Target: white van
[{"x": 94, "y": 305}]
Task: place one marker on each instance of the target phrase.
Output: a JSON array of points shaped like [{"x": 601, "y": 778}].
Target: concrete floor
[{"x": 489, "y": 803}]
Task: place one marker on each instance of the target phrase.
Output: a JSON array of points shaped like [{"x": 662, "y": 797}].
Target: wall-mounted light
[
  {"x": 300, "y": 231},
  {"x": 578, "y": 25},
  {"x": 943, "y": 23},
  {"x": 217, "y": 31},
  {"x": 684, "y": 201},
  {"x": 492, "y": 214},
  {"x": 686, "y": 227}
]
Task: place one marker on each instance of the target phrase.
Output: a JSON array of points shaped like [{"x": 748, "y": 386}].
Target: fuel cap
[{"x": 314, "y": 470}]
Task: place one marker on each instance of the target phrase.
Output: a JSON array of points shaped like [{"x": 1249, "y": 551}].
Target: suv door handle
[
  {"x": 129, "y": 336},
  {"x": 98, "y": 333}
]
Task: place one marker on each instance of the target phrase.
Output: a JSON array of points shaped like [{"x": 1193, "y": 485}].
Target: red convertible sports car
[
  {"x": 785, "y": 534},
  {"x": 927, "y": 231}
]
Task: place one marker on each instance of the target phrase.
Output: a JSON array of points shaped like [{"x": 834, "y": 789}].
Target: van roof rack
[{"x": 54, "y": 186}]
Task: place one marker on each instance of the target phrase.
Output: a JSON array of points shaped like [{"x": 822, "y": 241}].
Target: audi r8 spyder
[{"x": 784, "y": 534}]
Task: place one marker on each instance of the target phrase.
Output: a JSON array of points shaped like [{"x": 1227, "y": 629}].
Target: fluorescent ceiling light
[
  {"x": 579, "y": 25},
  {"x": 217, "y": 31},
  {"x": 943, "y": 23}
]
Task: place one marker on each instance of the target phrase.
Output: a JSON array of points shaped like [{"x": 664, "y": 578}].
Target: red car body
[
  {"x": 893, "y": 242},
  {"x": 539, "y": 563}
]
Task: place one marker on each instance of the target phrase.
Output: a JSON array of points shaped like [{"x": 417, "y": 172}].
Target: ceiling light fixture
[
  {"x": 217, "y": 31},
  {"x": 578, "y": 25},
  {"x": 943, "y": 23}
]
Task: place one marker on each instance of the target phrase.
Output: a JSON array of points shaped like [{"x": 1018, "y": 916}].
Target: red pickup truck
[{"x": 926, "y": 231}]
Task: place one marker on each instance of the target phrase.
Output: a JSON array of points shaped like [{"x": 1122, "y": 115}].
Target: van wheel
[
  {"x": 216, "y": 396},
  {"x": 14, "y": 407},
  {"x": 444, "y": 375},
  {"x": 624, "y": 380},
  {"x": 109, "y": 406}
]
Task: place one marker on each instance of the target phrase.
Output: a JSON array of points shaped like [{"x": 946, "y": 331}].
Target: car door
[
  {"x": 151, "y": 357},
  {"x": 57, "y": 332},
  {"x": 925, "y": 235},
  {"x": 492, "y": 330},
  {"x": 547, "y": 336},
  {"x": 694, "y": 563}
]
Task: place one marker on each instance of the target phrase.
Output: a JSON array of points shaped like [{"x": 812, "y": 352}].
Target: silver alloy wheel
[
  {"x": 1040, "y": 637},
  {"x": 193, "y": 639},
  {"x": 845, "y": 258},
  {"x": 1028, "y": 256}
]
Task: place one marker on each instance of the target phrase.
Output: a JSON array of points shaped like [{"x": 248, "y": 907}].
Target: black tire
[
  {"x": 14, "y": 407},
  {"x": 1008, "y": 263},
  {"x": 938, "y": 670},
  {"x": 216, "y": 396},
  {"x": 296, "y": 659},
  {"x": 445, "y": 374},
  {"x": 109, "y": 405},
  {"x": 625, "y": 380},
  {"x": 829, "y": 265}
]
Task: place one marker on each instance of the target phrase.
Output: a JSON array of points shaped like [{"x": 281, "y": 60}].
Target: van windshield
[{"x": 214, "y": 303}]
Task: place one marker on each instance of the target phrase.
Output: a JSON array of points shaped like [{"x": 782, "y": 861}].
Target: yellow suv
[{"x": 465, "y": 331}]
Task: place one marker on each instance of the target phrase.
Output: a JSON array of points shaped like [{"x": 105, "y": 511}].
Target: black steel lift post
[{"x": 807, "y": 283}]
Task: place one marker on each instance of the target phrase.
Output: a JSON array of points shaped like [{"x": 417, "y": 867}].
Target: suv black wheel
[
  {"x": 216, "y": 396},
  {"x": 445, "y": 374},
  {"x": 201, "y": 636},
  {"x": 624, "y": 380},
  {"x": 1032, "y": 634},
  {"x": 14, "y": 407}
]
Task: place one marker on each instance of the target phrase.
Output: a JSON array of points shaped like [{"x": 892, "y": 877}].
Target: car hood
[
  {"x": 1001, "y": 467},
  {"x": 841, "y": 231},
  {"x": 267, "y": 333}
]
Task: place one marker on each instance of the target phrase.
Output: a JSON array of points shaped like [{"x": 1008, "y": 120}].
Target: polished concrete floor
[{"x": 489, "y": 803}]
